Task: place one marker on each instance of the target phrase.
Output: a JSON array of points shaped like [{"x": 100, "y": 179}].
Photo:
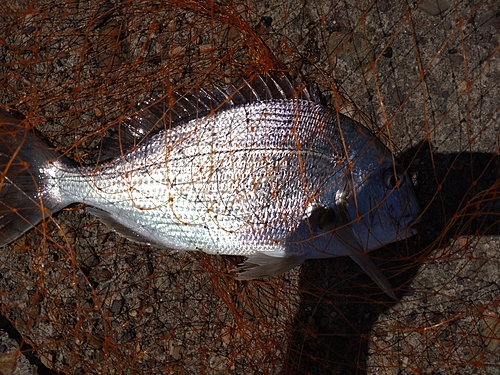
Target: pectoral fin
[
  {"x": 346, "y": 239},
  {"x": 260, "y": 265},
  {"x": 338, "y": 224}
]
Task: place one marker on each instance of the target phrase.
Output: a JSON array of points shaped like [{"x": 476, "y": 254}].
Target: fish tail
[{"x": 25, "y": 196}]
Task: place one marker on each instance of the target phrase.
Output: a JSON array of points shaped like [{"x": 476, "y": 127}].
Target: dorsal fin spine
[{"x": 179, "y": 108}]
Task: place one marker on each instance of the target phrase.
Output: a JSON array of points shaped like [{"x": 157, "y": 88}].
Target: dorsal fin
[
  {"x": 164, "y": 113},
  {"x": 270, "y": 86},
  {"x": 273, "y": 86}
]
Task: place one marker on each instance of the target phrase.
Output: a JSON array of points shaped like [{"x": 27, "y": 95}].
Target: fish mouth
[{"x": 408, "y": 230}]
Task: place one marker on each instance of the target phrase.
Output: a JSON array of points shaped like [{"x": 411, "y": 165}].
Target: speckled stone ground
[{"x": 91, "y": 302}]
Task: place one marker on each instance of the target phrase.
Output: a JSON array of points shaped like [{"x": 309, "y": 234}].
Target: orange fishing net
[{"x": 424, "y": 76}]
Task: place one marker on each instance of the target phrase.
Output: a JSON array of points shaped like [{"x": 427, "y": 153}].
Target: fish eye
[{"x": 393, "y": 177}]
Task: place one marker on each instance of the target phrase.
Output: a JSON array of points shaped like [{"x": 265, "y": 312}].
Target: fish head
[{"x": 381, "y": 205}]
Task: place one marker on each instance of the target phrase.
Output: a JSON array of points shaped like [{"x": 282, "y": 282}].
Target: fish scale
[
  {"x": 237, "y": 197},
  {"x": 281, "y": 180}
]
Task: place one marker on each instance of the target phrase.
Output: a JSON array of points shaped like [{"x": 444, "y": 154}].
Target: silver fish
[{"x": 277, "y": 177}]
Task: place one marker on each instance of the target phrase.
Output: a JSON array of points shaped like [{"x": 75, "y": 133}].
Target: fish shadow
[{"x": 340, "y": 304}]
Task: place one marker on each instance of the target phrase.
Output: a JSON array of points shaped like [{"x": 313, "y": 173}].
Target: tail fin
[{"x": 24, "y": 197}]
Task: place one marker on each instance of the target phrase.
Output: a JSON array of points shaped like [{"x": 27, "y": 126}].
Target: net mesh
[{"x": 427, "y": 76}]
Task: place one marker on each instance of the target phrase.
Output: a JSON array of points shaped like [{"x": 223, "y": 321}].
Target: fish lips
[{"x": 407, "y": 230}]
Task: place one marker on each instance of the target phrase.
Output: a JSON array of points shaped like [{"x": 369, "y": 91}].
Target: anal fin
[{"x": 122, "y": 230}]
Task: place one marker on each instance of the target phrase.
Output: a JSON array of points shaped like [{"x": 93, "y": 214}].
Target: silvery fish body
[{"x": 279, "y": 180}]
